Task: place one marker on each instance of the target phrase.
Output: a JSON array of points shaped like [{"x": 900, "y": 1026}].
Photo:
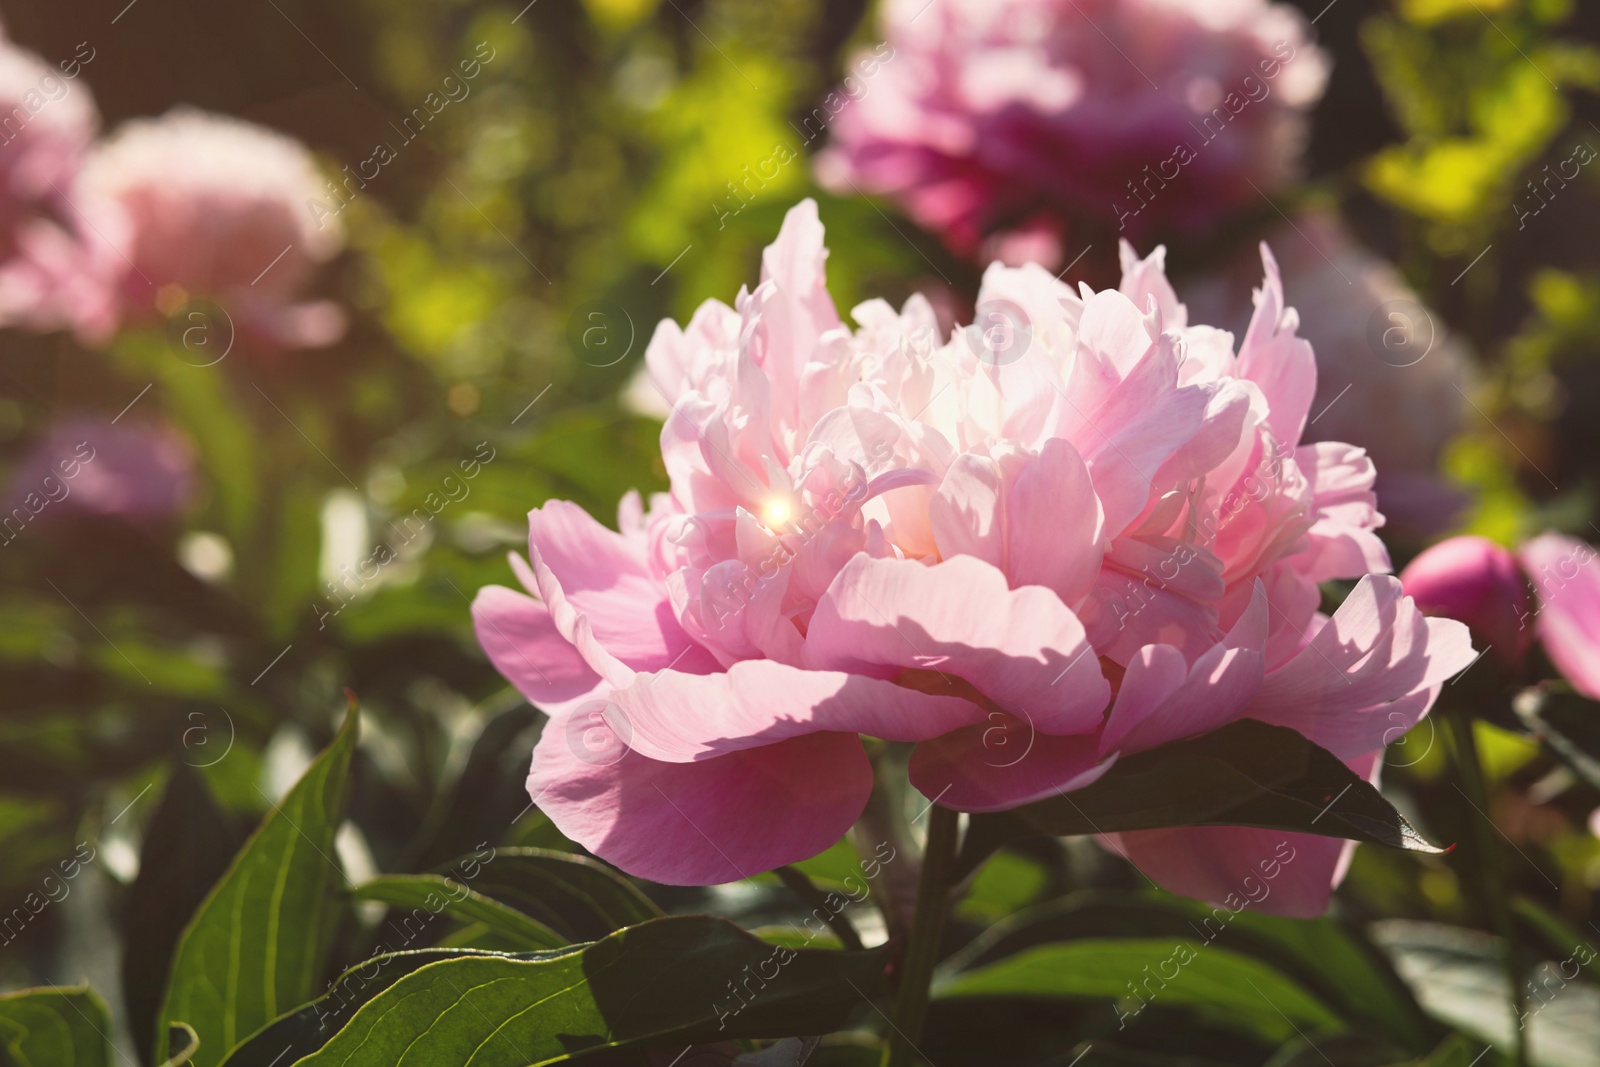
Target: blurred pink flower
[
  {"x": 1082, "y": 521},
  {"x": 1474, "y": 580},
  {"x": 47, "y": 122},
  {"x": 1566, "y": 581},
  {"x": 87, "y": 466},
  {"x": 992, "y": 116},
  {"x": 1389, "y": 377},
  {"x": 194, "y": 205}
]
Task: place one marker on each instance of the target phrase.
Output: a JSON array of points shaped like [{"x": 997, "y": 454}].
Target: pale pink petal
[
  {"x": 1238, "y": 867},
  {"x": 681, "y": 718},
  {"x": 965, "y": 511},
  {"x": 1342, "y": 543},
  {"x": 1003, "y": 764},
  {"x": 1277, "y": 360},
  {"x": 701, "y": 823},
  {"x": 585, "y": 570},
  {"x": 1163, "y": 700},
  {"x": 1378, "y": 648},
  {"x": 1054, "y": 524},
  {"x": 1566, "y": 580},
  {"x": 520, "y": 639},
  {"x": 958, "y": 618}
]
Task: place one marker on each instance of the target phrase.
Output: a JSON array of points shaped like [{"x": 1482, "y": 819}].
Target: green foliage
[
  {"x": 55, "y": 1027},
  {"x": 256, "y": 946},
  {"x": 1229, "y": 989},
  {"x": 665, "y": 981}
]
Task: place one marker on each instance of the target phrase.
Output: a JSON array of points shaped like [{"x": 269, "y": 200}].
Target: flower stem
[
  {"x": 1470, "y": 767},
  {"x": 927, "y": 934}
]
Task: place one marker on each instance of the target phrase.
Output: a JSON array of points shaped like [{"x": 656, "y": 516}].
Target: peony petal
[
  {"x": 1566, "y": 580},
  {"x": 958, "y": 618},
  {"x": 680, "y": 718},
  {"x": 1161, "y": 700},
  {"x": 1278, "y": 361},
  {"x": 1378, "y": 648},
  {"x": 1054, "y": 524},
  {"x": 964, "y": 512},
  {"x": 1238, "y": 867},
  {"x": 701, "y": 823},
  {"x": 521, "y": 640},
  {"x": 584, "y": 569},
  {"x": 1003, "y": 764}
]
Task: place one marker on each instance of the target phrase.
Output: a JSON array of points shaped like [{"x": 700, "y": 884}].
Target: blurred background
[{"x": 298, "y": 482}]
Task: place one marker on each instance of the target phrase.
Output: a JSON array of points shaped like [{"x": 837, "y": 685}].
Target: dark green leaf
[
  {"x": 1458, "y": 976},
  {"x": 434, "y": 894},
  {"x": 256, "y": 946},
  {"x": 1229, "y": 989},
  {"x": 1339, "y": 1050},
  {"x": 670, "y": 981},
  {"x": 1568, "y": 725},
  {"x": 305, "y": 1030},
  {"x": 60, "y": 1027},
  {"x": 1347, "y": 974},
  {"x": 1246, "y": 774},
  {"x": 186, "y": 848},
  {"x": 571, "y": 894}
]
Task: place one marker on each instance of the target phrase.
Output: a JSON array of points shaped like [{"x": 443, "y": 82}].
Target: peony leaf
[
  {"x": 1231, "y": 990},
  {"x": 60, "y": 1025},
  {"x": 255, "y": 947},
  {"x": 1226, "y": 987},
  {"x": 670, "y": 982},
  {"x": 1246, "y": 774},
  {"x": 308, "y": 1028},
  {"x": 574, "y": 895},
  {"x": 1329, "y": 961},
  {"x": 434, "y": 894}
]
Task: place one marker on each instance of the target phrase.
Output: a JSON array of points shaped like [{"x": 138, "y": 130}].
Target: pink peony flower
[
  {"x": 1478, "y": 582},
  {"x": 1566, "y": 582},
  {"x": 87, "y": 466},
  {"x": 988, "y": 116},
  {"x": 1083, "y": 521},
  {"x": 192, "y": 205},
  {"x": 47, "y": 122},
  {"x": 1389, "y": 376}
]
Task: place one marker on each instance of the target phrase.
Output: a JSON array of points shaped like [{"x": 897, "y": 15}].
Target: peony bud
[{"x": 1476, "y": 581}]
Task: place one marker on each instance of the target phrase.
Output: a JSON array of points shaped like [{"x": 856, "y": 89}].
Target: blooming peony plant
[
  {"x": 193, "y": 205},
  {"x": 1082, "y": 521},
  {"x": 1009, "y": 118}
]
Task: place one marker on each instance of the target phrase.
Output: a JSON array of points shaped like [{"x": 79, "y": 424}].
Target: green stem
[
  {"x": 1470, "y": 767},
  {"x": 927, "y": 934}
]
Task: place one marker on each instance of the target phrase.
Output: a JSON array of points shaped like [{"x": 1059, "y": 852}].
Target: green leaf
[
  {"x": 1331, "y": 963},
  {"x": 256, "y": 945},
  {"x": 186, "y": 850},
  {"x": 436, "y": 894},
  {"x": 670, "y": 981},
  {"x": 1231, "y": 990},
  {"x": 307, "y": 1029},
  {"x": 60, "y": 1027},
  {"x": 1567, "y": 724},
  {"x": 573, "y": 895},
  {"x": 1458, "y": 975},
  {"x": 1246, "y": 774}
]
